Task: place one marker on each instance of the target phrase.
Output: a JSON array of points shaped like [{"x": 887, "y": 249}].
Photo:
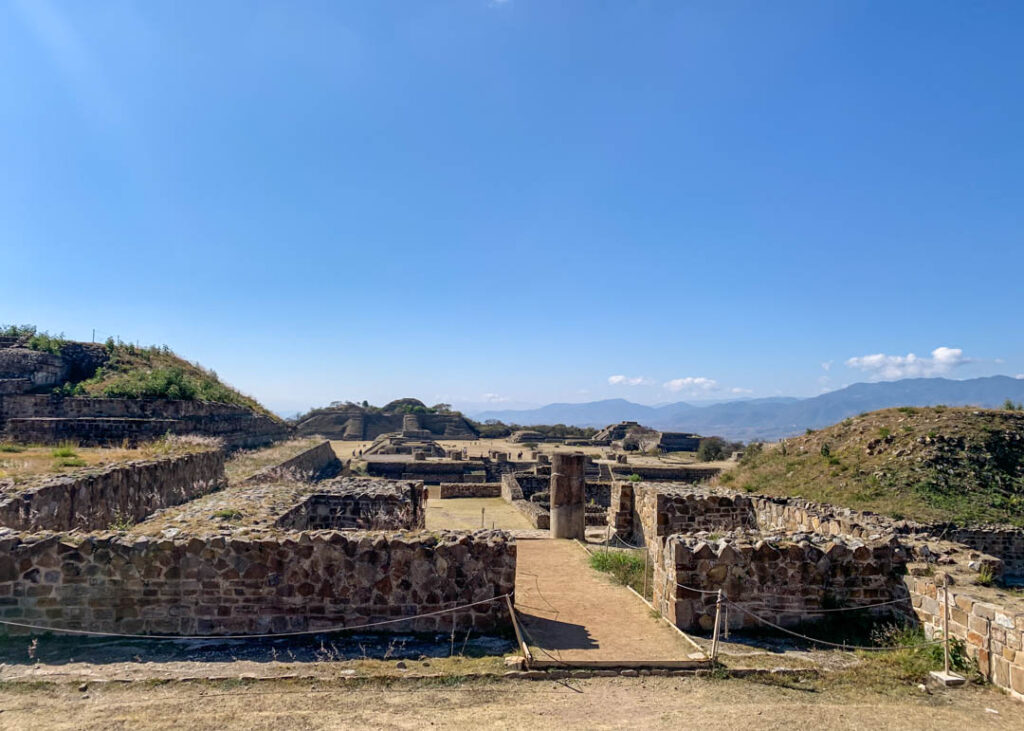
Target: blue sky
[{"x": 523, "y": 201}]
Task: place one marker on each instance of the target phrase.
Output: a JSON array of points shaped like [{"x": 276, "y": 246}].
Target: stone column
[{"x": 568, "y": 488}]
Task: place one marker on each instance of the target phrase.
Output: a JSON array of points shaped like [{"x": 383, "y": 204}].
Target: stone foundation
[
  {"x": 317, "y": 463},
  {"x": 256, "y": 583},
  {"x": 469, "y": 489},
  {"x": 992, "y": 632},
  {"x": 781, "y": 581},
  {"x": 95, "y": 499},
  {"x": 353, "y": 504},
  {"x": 45, "y": 418}
]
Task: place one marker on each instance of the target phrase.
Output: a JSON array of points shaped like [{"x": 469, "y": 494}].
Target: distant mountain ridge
[{"x": 774, "y": 418}]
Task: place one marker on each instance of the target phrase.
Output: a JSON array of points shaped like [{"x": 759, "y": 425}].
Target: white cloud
[
  {"x": 620, "y": 380},
  {"x": 739, "y": 391},
  {"x": 891, "y": 367},
  {"x": 494, "y": 398},
  {"x": 827, "y": 365},
  {"x": 1019, "y": 376},
  {"x": 694, "y": 384}
]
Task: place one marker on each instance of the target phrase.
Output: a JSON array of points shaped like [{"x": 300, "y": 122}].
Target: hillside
[
  {"x": 113, "y": 370},
  {"x": 928, "y": 464},
  {"x": 773, "y": 418}
]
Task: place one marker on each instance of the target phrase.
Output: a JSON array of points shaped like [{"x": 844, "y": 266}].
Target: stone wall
[
  {"x": 354, "y": 423},
  {"x": 89, "y": 421},
  {"x": 95, "y": 499},
  {"x": 662, "y": 511},
  {"x": 353, "y": 504},
  {"x": 430, "y": 472},
  {"x": 992, "y": 632},
  {"x": 781, "y": 581},
  {"x": 316, "y": 463},
  {"x": 620, "y": 508},
  {"x": 469, "y": 489},
  {"x": 257, "y": 583},
  {"x": 666, "y": 474},
  {"x": 1005, "y": 543},
  {"x": 513, "y": 494}
]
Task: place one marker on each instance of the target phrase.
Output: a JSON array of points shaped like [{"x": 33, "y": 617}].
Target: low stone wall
[
  {"x": 257, "y": 583},
  {"x": 666, "y": 474},
  {"x": 663, "y": 511},
  {"x": 469, "y": 489},
  {"x": 781, "y": 581},
  {"x": 620, "y": 509},
  {"x": 537, "y": 515},
  {"x": 992, "y": 633},
  {"x": 352, "y": 504},
  {"x": 1005, "y": 543},
  {"x": 94, "y": 499},
  {"x": 317, "y": 463},
  {"x": 510, "y": 489}
]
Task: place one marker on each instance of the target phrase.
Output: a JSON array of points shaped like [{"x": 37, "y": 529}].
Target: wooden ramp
[{"x": 574, "y": 616}]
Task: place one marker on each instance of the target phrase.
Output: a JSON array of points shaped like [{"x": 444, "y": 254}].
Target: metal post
[
  {"x": 482, "y": 517},
  {"x": 714, "y": 635}
]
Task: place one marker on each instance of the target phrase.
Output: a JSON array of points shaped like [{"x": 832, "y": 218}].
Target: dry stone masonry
[
  {"x": 256, "y": 583},
  {"x": 96, "y": 499}
]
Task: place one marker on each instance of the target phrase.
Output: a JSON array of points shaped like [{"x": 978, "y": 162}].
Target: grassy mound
[
  {"x": 156, "y": 372},
  {"x": 960, "y": 464}
]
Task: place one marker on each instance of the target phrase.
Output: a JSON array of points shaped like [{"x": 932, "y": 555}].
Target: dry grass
[
  {"x": 244, "y": 464},
  {"x": 925, "y": 464},
  {"x": 22, "y": 464}
]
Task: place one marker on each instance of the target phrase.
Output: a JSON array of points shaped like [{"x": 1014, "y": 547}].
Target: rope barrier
[
  {"x": 842, "y": 646},
  {"x": 809, "y": 611},
  {"x": 328, "y": 630}
]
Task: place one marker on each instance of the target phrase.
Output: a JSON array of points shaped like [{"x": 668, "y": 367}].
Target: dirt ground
[
  {"x": 465, "y": 514},
  {"x": 598, "y": 703},
  {"x": 573, "y": 614}
]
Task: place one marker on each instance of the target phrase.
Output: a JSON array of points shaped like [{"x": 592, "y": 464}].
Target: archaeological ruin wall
[
  {"x": 311, "y": 465},
  {"x": 97, "y": 498},
  {"x": 783, "y": 581},
  {"x": 49, "y": 419},
  {"x": 256, "y": 583}
]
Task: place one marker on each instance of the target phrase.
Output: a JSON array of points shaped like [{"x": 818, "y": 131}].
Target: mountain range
[{"x": 774, "y": 418}]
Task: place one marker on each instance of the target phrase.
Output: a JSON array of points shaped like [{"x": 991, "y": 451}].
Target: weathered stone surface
[{"x": 94, "y": 499}]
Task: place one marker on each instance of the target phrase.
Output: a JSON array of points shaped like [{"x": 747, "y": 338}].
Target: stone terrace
[{"x": 249, "y": 507}]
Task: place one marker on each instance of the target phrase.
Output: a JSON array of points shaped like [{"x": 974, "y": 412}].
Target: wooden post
[
  {"x": 482, "y": 517},
  {"x": 607, "y": 536},
  {"x": 714, "y": 634}
]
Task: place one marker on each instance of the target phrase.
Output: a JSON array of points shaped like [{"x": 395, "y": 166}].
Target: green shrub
[
  {"x": 64, "y": 450},
  {"x": 635, "y": 477},
  {"x": 627, "y": 568},
  {"x": 884, "y": 432},
  {"x": 13, "y": 448}
]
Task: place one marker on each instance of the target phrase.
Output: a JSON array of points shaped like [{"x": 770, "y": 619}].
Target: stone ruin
[
  {"x": 402, "y": 444},
  {"x": 785, "y": 560},
  {"x": 356, "y": 423},
  {"x": 260, "y": 556},
  {"x": 632, "y": 436},
  {"x": 31, "y": 413}
]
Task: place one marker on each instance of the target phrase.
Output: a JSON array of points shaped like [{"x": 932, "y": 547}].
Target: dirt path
[
  {"x": 599, "y": 703},
  {"x": 578, "y": 616}
]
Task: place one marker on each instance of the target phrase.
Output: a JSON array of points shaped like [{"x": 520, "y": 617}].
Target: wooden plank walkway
[{"x": 576, "y": 616}]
